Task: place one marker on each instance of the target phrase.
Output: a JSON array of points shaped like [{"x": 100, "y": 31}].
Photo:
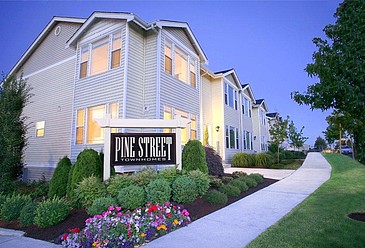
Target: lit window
[
  {"x": 95, "y": 134},
  {"x": 39, "y": 126},
  {"x": 181, "y": 65},
  {"x": 99, "y": 56},
  {"x": 84, "y": 61},
  {"x": 116, "y": 50},
  {"x": 232, "y": 138},
  {"x": 184, "y": 131},
  {"x": 113, "y": 110},
  {"x": 192, "y": 73},
  {"x": 80, "y": 124},
  {"x": 193, "y": 127},
  {"x": 168, "y": 57},
  {"x": 167, "y": 115},
  {"x": 230, "y": 96}
]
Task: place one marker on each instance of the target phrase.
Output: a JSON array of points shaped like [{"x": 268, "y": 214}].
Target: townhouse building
[{"x": 115, "y": 63}]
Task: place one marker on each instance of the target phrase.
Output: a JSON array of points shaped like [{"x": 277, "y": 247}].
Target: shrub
[
  {"x": 69, "y": 182},
  {"x": 41, "y": 188},
  {"x": 251, "y": 182},
  {"x": 51, "y": 212},
  {"x": 215, "y": 182},
  {"x": 263, "y": 160},
  {"x": 144, "y": 177},
  {"x": 184, "y": 190},
  {"x": 214, "y": 162},
  {"x": 2, "y": 200},
  {"x": 12, "y": 206},
  {"x": 88, "y": 163},
  {"x": 193, "y": 157},
  {"x": 201, "y": 181},
  {"x": 237, "y": 174},
  {"x": 58, "y": 182},
  {"x": 243, "y": 160},
  {"x": 226, "y": 180},
  {"x": 100, "y": 205},
  {"x": 216, "y": 197},
  {"x": 118, "y": 182},
  {"x": 169, "y": 174},
  {"x": 230, "y": 190},
  {"x": 131, "y": 197},
  {"x": 258, "y": 177},
  {"x": 26, "y": 217},
  {"x": 88, "y": 190},
  {"x": 158, "y": 191},
  {"x": 239, "y": 184}
]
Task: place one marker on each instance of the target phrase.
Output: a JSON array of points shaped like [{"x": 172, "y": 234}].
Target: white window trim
[{"x": 40, "y": 125}]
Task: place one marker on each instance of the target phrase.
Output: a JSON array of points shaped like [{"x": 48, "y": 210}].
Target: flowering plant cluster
[{"x": 115, "y": 228}]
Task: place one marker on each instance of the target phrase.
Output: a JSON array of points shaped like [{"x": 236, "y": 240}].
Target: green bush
[
  {"x": 100, "y": 205},
  {"x": 239, "y": 184},
  {"x": 2, "y": 200},
  {"x": 169, "y": 174},
  {"x": 251, "y": 182},
  {"x": 143, "y": 177},
  {"x": 258, "y": 177},
  {"x": 26, "y": 217},
  {"x": 58, "y": 182},
  {"x": 184, "y": 190},
  {"x": 214, "y": 162},
  {"x": 40, "y": 188},
  {"x": 88, "y": 190},
  {"x": 88, "y": 163},
  {"x": 230, "y": 190},
  {"x": 158, "y": 191},
  {"x": 69, "y": 182},
  {"x": 216, "y": 197},
  {"x": 263, "y": 160},
  {"x": 237, "y": 174},
  {"x": 243, "y": 160},
  {"x": 201, "y": 181},
  {"x": 118, "y": 182},
  {"x": 51, "y": 212},
  {"x": 226, "y": 180},
  {"x": 215, "y": 182},
  {"x": 193, "y": 157},
  {"x": 12, "y": 206},
  {"x": 131, "y": 197}
]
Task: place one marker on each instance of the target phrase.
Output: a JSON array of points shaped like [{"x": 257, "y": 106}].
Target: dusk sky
[{"x": 268, "y": 43}]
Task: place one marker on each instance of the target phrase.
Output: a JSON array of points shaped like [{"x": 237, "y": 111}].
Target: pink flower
[
  {"x": 111, "y": 208},
  {"x": 152, "y": 209},
  {"x": 98, "y": 216},
  {"x": 65, "y": 236},
  {"x": 185, "y": 212},
  {"x": 119, "y": 208},
  {"x": 88, "y": 220}
]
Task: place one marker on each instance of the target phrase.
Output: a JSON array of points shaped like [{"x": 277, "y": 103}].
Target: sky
[{"x": 268, "y": 43}]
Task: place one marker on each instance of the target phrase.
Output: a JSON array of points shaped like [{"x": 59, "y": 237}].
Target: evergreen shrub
[
  {"x": 201, "y": 181},
  {"x": 26, "y": 217},
  {"x": 230, "y": 190},
  {"x": 100, "y": 205},
  {"x": 258, "y": 177},
  {"x": 59, "y": 180},
  {"x": 216, "y": 197},
  {"x": 193, "y": 157},
  {"x": 237, "y": 174},
  {"x": 143, "y": 177},
  {"x": 118, "y": 182},
  {"x": 184, "y": 190},
  {"x": 12, "y": 206},
  {"x": 88, "y": 190},
  {"x": 214, "y": 162},
  {"x": 239, "y": 184},
  {"x": 169, "y": 174},
  {"x": 215, "y": 182},
  {"x": 158, "y": 191},
  {"x": 131, "y": 197},
  {"x": 51, "y": 212},
  {"x": 251, "y": 182}
]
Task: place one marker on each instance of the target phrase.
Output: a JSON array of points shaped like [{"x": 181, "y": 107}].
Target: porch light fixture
[
  {"x": 217, "y": 128},
  {"x": 254, "y": 137}
]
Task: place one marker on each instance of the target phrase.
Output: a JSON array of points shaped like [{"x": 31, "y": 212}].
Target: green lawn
[{"x": 321, "y": 220}]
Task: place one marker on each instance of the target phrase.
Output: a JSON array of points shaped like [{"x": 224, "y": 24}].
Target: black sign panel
[{"x": 142, "y": 148}]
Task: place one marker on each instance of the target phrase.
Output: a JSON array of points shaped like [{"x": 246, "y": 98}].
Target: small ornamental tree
[
  {"x": 296, "y": 137},
  {"x": 279, "y": 132},
  {"x": 58, "y": 183},
  {"x": 193, "y": 157}
]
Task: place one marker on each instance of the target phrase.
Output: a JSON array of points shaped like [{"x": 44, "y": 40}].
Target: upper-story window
[
  {"x": 263, "y": 117},
  {"x": 180, "y": 64},
  {"x": 101, "y": 55},
  {"x": 246, "y": 107},
  {"x": 232, "y": 137},
  {"x": 230, "y": 96}
]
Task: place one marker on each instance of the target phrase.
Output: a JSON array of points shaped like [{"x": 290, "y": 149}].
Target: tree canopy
[
  {"x": 296, "y": 137},
  {"x": 320, "y": 143},
  {"x": 279, "y": 133}
]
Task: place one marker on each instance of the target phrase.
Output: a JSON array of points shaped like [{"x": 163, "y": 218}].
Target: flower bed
[{"x": 115, "y": 228}]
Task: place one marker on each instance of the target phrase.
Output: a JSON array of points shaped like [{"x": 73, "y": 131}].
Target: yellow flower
[
  {"x": 162, "y": 227},
  {"x": 143, "y": 235},
  {"x": 176, "y": 222},
  {"x": 95, "y": 243}
]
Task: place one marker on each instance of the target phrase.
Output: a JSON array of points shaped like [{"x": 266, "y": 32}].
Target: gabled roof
[
  {"x": 248, "y": 88},
  {"x": 130, "y": 17},
  {"x": 272, "y": 115},
  {"x": 40, "y": 38},
  {"x": 261, "y": 102},
  {"x": 230, "y": 72}
]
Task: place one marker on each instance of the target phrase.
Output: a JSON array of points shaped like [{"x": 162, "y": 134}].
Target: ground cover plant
[{"x": 322, "y": 219}]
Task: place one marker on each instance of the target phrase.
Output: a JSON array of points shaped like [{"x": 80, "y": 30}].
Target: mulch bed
[
  {"x": 357, "y": 216},
  {"x": 77, "y": 217}
]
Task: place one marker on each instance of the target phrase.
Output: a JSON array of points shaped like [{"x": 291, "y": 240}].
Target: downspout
[
  {"x": 158, "y": 76},
  {"x": 124, "y": 114}
]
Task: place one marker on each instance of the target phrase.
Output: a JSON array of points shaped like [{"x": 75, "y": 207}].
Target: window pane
[
  {"x": 79, "y": 135},
  {"x": 115, "y": 59},
  {"x": 168, "y": 65},
  {"x": 230, "y": 96},
  {"x": 181, "y": 65},
  {"x": 231, "y": 138},
  {"x": 114, "y": 112},
  {"x": 83, "y": 69},
  {"x": 95, "y": 134},
  {"x": 80, "y": 117},
  {"x": 227, "y": 137},
  {"x": 83, "y": 61},
  {"x": 167, "y": 115},
  {"x": 117, "y": 41},
  {"x": 99, "y": 56},
  {"x": 39, "y": 126},
  {"x": 192, "y": 74}
]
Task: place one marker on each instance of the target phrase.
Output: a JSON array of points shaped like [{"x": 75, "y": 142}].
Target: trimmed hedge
[
  {"x": 201, "y": 181},
  {"x": 132, "y": 197},
  {"x": 216, "y": 197},
  {"x": 58, "y": 183},
  {"x": 230, "y": 190},
  {"x": 100, "y": 205},
  {"x": 10, "y": 209},
  {"x": 184, "y": 190},
  {"x": 27, "y": 214},
  {"x": 88, "y": 190},
  {"x": 118, "y": 182},
  {"x": 51, "y": 212},
  {"x": 193, "y": 157},
  {"x": 158, "y": 191}
]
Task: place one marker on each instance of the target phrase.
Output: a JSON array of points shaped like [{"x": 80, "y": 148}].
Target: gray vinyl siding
[
  {"x": 52, "y": 103},
  {"x": 180, "y": 35},
  {"x": 31, "y": 174},
  {"x": 103, "y": 88},
  {"x": 231, "y": 79},
  {"x": 52, "y": 49}
]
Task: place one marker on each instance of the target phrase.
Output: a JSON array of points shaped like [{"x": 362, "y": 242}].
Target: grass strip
[{"x": 321, "y": 220}]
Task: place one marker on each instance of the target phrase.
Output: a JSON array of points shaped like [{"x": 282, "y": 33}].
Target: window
[
  {"x": 80, "y": 124},
  {"x": 246, "y": 107},
  {"x": 101, "y": 55},
  {"x": 39, "y": 127},
  {"x": 180, "y": 64},
  {"x": 168, "y": 57},
  {"x": 232, "y": 137},
  {"x": 185, "y": 131},
  {"x": 94, "y": 134},
  {"x": 193, "y": 127},
  {"x": 116, "y": 50},
  {"x": 262, "y": 117},
  {"x": 167, "y": 115},
  {"x": 230, "y": 96},
  {"x": 247, "y": 140}
]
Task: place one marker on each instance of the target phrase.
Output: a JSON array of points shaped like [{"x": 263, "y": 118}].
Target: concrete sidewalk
[
  {"x": 15, "y": 239},
  {"x": 277, "y": 174},
  {"x": 239, "y": 223}
]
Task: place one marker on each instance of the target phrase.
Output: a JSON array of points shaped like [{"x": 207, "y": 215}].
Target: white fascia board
[
  {"x": 233, "y": 72},
  {"x": 249, "y": 89},
  {"x": 175, "y": 24},
  {"x": 41, "y": 36}
]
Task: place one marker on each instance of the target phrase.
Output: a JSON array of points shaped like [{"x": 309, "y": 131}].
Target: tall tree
[
  {"x": 339, "y": 64},
  {"x": 320, "y": 143},
  {"x": 279, "y": 133},
  {"x": 14, "y": 96},
  {"x": 296, "y": 137}
]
